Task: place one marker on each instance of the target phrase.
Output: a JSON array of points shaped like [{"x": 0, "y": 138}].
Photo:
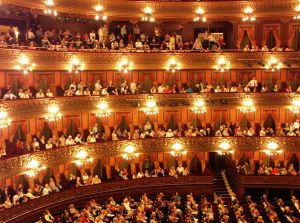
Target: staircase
[{"x": 221, "y": 186}]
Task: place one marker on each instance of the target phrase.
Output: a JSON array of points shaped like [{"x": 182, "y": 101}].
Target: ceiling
[{"x": 165, "y": 9}]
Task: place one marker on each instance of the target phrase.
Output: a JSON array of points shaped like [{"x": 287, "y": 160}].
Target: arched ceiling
[{"x": 165, "y": 9}]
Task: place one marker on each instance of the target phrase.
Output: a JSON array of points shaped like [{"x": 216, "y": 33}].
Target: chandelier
[
  {"x": 25, "y": 64},
  {"x": 297, "y": 9},
  {"x": 224, "y": 148},
  {"x": 49, "y": 10},
  {"x": 173, "y": 65},
  {"x": 103, "y": 110},
  {"x": 273, "y": 64},
  {"x": 222, "y": 65},
  {"x": 295, "y": 108},
  {"x": 151, "y": 108},
  {"x": 200, "y": 15},
  {"x": 34, "y": 168},
  {"x": 199, "y": 106},
  {"x": 129, "y": 153},
  {"x": 125, "y": 66},
  {"x": 54, "y": 114},
  {"x": 148, "y": 17},
  {"x": 272, "y": 149},
  {"x": 99, "y": 13},
  {"x": 83, "y": 158},
  {"x": 247, "y": 105},
  {"x": 248, "y": 11},
  {"x": 76, "y": 66},
  {"x": 177, "y": 150},
  {"x": 4, "y": 120}
]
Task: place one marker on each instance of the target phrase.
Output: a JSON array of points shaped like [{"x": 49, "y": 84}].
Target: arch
[{"x": 245, "y": 41}]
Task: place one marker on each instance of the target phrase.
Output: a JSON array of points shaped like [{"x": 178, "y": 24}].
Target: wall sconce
[
  {"x": 49, "y": 10},
  {"x": 54, "y": 114},
  {"x": 272, "y": 149},
  {"x": 273, "y": 64},
  {"x": 34, "y": 168},
  {"x": 173, "y": 65},
  {"x": 295, "y": 108},
  {"x": 297, "y": 9},
  {"x": 151, "y": 108},
  {"x": 200, "y": 12},
  {"x": 199, "y": 106},
  {"x": 125, "y": 66},
  {"x": 83, "y": 158},
  {"x": 25, "y": 64},
  {"x": 177, "y": 150},
  {"x": 224, "y": 148},
  {"x": 76, "y": 66},
  {"x": 248, "y": 11},
  {"x": 103, "y": 110},
  {"x": 129, "y": 153},
  {"x": 222, "y": 64},
  {"x": 148, "y": 11},
  {"x": 247, "y": 105},
  {"x": 99, "y": 13},
  {"x": 4, "y": 120}
]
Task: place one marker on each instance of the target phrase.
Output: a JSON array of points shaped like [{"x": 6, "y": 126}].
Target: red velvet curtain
[
  {"x": 250, "y": 32},
  {"x": 266, "y": 33},
  {"x": 291, "y": 35}
]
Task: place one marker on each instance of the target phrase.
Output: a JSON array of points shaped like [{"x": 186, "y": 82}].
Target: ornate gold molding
[{"x": 17, "y": 165}]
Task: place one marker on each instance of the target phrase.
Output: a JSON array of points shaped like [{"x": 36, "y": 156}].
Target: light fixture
[
  {"x": 53, "y": 113},
  {"x": 177, "y": 150},
  {"x": 224, "y": 148},
  {"x": 272, "y": 149},
  {"x": 76, "y": 66},
  {"x": 151, "y": 108},
  {"x": 129, "y": 153},
  {"x": 273, "y": 64},
  {"x": 148, "y": 17},
  {"x": 173, "y": 65},
  {"x": 295, "y": 108},
  {"x": 248, "y": 11},
  {"x": 247, "y": 105},
  {"x": 99, "y": 13},
  {"x": 49, "y": 10},
  {"x": 83, "y": 158},
  {"x": 4, "y": 120},
  {"x": 200, "y": 15},
  {"x": 33, "y": 168},
  {"x": 25, "y": 64},
  {"x": 222, "y": 64},
  {"x": 125, "y": 66},
  {"x": 103, "y": 110},
  {"x": 199, "y": 106},
  {"x": 297, "y": 9}
]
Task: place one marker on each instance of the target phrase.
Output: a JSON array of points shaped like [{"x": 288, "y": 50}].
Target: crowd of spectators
[
  {"x": 10, "y": 197},
  {"x": 126, "y": 88}
]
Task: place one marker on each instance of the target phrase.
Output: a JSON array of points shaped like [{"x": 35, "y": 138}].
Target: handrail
[{"x": 58, "y": 201}]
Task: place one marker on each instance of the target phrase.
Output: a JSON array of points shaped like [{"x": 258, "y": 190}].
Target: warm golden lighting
[
  {"x": 224, "y": 148},
  {"x": 151, "y": 108},
  {"x": 177, "y": 150},
  {"x": 297, "y": 9},
  {"x": 83, "y": 158},
  {"x": 25, "y": 64},
  {"x": 248, "y": 11},
  {"x": 125, "y": 66},
  {"x": 148, "y": 11},
  {"x": 222, "y": 64},
  {"x": 49, "y": 10},
  {"x": 54, "y": 114},
  {"x": 33, "y": 168},
  {"x": 273, "y": 64},
  {"x": 76, "y": 66},
  {"x": 199, "y": 106},
  {"x": 129, "y": 153},
  {"x": 247, "y": 105},
  {"x": 4, "y": 120},
  {"x": 295, "y": 108},
  {"x": 272, "y": 149},
  {"x": 200, "y": 15},
  {"x": 173, "y": 65},
  {"x": 103, "y": 110},
  {"x": 99, "y": 13}
]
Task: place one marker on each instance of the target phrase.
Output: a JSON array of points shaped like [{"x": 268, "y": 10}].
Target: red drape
[
  {"x": 250, "y": 32},
  {"x": 291, "y": 35},
  {"x": 266, "y": 32}
]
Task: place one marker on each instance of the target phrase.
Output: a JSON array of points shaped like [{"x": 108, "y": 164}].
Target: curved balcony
[
  {"x": 35, "y": 107},
  {"x": 54, "y": 157},
  {"x": 107, "y": 60},
  {"x": 32, "y": 210}
]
